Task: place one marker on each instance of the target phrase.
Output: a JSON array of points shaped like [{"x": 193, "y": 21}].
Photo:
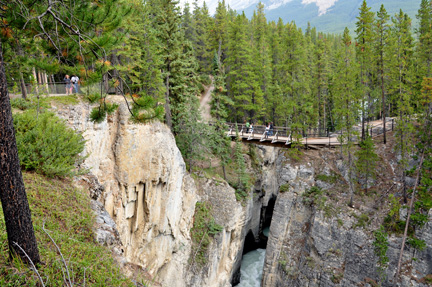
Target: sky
[{"x": 323, "y": 5}]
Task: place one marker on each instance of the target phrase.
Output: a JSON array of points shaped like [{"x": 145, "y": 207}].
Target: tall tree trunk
[{"x": 13, "y": 197}]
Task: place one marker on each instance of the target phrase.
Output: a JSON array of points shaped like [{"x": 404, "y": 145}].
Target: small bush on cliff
[
  {"x": 284, "y": 187},
  {"x": 46, "y": 145},
  {"x": 204, "y": 227}
]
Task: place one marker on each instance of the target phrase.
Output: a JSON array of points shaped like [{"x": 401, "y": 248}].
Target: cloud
[{"x": 323, "y": 5}]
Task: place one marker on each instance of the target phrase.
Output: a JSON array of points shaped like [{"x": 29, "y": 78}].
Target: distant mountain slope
[
  {"x": 343, "y": 12},
  {"x": 326, "y": 15}
]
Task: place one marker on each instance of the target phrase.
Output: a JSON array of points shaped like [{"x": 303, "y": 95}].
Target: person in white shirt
[{"x": 74, "y": 81}]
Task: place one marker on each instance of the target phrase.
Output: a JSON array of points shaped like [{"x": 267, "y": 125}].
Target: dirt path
[{"x": 205, "y": 103}]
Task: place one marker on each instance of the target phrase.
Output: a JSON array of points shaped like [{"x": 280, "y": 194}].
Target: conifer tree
[
  {"x": 201, "y": 40},
  {"x": 141, "y": 61},
  {"x": 346, "y": 102},
  {"x": 320, "y": 76},
  {"x": 367, "y": 160},
  {"x": 424, "y": 44},
  {"x": 297, "y": 106},
  {"x": 401, "y": 75},
  {"x": 221, "y": 144},
  {"x": 364, "y": 45},
  {"x": 220, "y": 30},
  {"x": 171, "y": 38},
  {"x": 243, "y": 83},
  {"x": 274, "y": 95},
  {"x": 261, "y": 52},
  {"x": 382, "y": 30},
  {"x": 69, "y": 34}
]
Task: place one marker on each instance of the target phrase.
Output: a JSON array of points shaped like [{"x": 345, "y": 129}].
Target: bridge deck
[{"x": 282, "y": 135}]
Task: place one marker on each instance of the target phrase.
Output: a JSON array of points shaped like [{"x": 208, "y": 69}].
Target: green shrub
[
  {"x": 333, "y": 178},
  {"x": 416, "y": 243},
  {"x": 314, "y": 196},
  {"x": 362, "y": 220},
  {"x": 20, "y": 103},
  {"x": 205, "y": 80},
  {"x": 284, "y": 187},
  {"x": 93, "y": 98},
  {"x": 381, "y": 245},
  {"x": 98, "y": 114},
  {"x": 46, "y": 145}
]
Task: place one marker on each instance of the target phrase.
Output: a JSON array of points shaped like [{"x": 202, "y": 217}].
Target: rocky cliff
[
  {"x": 317, "y": 240},
  {"x": 145, "y": 200},
  {"x": 146, "y": 204}
]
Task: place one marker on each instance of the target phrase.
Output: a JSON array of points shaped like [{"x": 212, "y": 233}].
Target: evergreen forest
[{"x": 162, "y": 57}]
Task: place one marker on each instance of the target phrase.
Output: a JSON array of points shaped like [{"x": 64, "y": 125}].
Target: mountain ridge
[{"x": 330, "y": 16}]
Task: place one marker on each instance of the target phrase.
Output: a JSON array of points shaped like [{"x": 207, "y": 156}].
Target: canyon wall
[
  {"x": 317, "y": 240},
  {"x": 145, "y": 199},
  {"x": 146, "y": 203}
]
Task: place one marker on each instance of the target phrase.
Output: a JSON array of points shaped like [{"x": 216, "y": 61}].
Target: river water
[{"x": 252, "y": 267}]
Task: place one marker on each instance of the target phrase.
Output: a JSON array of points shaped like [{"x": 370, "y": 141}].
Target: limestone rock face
[
  {"x": 225, "y": 249},
  {"x": 317, "y": 240},
  {"x": 145, "y": 200},
  {"x": 146, "y": 190}
]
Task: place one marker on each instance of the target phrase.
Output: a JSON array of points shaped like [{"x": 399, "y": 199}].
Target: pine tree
[
  {"x": 320, "y": 76},
  {"x": 346, "y": 102},
  {"x": 424, "y": 44},
  {"x": 171, "y": 39},
  {"x": 243, "y": 83},
  {"x": 261, "y": 53},
  {"x": 201, "y": 40},
  {"x": 221, "y": 145},
  {"x": 364, "y": 45},
  {"x": 242, "y": 183},
  {"x": 401, "y": 75},
  {"x": 141, "y": 61},
  {"x": 367, "y": 160},
  {"x": 218, "y": 37},
  {"x": 381, "y": 47}
]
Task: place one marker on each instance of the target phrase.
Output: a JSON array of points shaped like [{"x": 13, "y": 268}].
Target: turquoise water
[
  {"x": 266, "y": 231},
  {"x": 252, "y": 268}
]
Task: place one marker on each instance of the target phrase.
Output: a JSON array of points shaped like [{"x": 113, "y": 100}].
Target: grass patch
[
  {"x": 362, "y": 220},
  {"x": 68, "y": 100},
  {"x": 69, "y": 219},
  {"x": 332, "y": 179}
]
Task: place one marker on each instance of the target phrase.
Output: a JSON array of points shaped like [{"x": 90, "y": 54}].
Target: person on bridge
[
  {"x": 271, "y": 128},
  {"x": 267, "y": 130},
  {"x": 247, "y": 127}
]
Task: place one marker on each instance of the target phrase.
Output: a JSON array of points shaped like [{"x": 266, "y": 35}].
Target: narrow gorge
[{"x": 146, "y": 205}]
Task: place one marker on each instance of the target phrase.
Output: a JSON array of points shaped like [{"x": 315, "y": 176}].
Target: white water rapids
[{"x": 252, "y": 267}]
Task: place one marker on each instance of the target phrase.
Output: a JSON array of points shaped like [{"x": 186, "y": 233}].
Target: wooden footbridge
[{"x": 311, "y": 138}]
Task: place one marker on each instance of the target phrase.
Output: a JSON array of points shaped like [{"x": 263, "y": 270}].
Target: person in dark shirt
[{"x": 67, "y": 81}]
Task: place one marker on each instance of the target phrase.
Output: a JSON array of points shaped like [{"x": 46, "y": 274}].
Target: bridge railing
[{"x": 280, "y": 134}]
